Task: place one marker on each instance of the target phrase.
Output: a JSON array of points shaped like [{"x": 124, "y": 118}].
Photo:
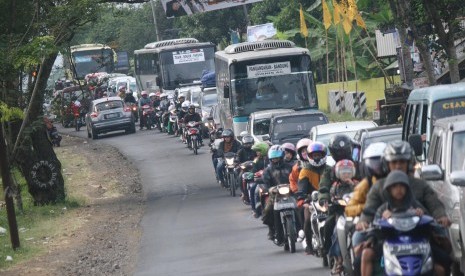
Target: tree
[{"x": 32, "y": 34}]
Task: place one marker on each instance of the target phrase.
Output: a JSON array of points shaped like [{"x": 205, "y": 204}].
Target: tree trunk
[
  {"x": 446, "y": 39},
  {"x": 36, "y": 157}
]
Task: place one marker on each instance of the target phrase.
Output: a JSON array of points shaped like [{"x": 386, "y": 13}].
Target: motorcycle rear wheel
[
  {"x": 232, "y": 184},
  {"x": 194, "y": 146}
]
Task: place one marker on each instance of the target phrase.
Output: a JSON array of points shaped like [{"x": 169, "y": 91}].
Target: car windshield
[
  {"x": 283, "y": 127},
  {"x": 324, "y": 138},
  {"x": 108, "y": 105},
  {"x": 458, "y": 152},
  {"x": 384, "y": 138},
  {"x": 261, "y": 126},
  {"x": 209, "y": 99}
]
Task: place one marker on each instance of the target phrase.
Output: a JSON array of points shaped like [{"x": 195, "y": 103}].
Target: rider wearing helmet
[
  {"x": 181, "y": 99},
  {"x": 229, "y": 144},
  {"x": 276, "y": 173},
  {"x": 301, "y": 149},
  {"x": 129, "y": 98},
  {"x": 144, "y": 100},
  {"x": 191, "y": 115},
  {"x": 164, "y": 102},
  {"x": 261, "y": 151},
  {"x": 398, "y": 155},
  {"x": 289, "y": 153},
  {"x": 122, "y": 91},
  {"x": 373, "y": 170},
  {"x": 309, "y": 179},
  {"x": 246, "y": 153}
]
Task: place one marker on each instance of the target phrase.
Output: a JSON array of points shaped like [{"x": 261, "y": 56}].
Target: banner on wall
[
  {"x": 260, "y": 32},
  {"x": 177, "y": 8}
]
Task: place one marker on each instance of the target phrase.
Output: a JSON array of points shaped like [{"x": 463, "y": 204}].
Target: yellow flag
[
  {"x": 352, "y": 9},
  {"x": 326, "y": 15},
  {"x": 336, "y": 13},
  {"x": 303, "y": 25},
  {"x": 360, "y": 21}
]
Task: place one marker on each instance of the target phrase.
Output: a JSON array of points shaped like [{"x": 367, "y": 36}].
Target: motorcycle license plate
[
  {"x": 111, "y": 116},
  {"x": 281, "y": 206}
]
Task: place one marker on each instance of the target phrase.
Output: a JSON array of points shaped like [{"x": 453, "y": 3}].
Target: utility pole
[
  {"x": 6, "y": 179},
  {"x": 152, "y": 2}
]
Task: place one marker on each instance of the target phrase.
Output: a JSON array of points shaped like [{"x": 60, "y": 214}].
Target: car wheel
[{"x": 94, "y": 134}]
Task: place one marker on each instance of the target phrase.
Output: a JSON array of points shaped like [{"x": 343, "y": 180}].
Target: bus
[
  {"x": 254, "y": 76},
  {"x": 170, "y": 64},
  {"x": 426, "y": 105},
  {"x": 91, "y": 58}
]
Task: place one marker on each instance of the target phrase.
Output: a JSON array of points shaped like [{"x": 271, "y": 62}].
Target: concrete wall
[{"x": 373, "y": 88}]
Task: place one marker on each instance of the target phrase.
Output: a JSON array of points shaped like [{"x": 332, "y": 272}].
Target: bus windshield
[
  {"x": 278, "y": 82},
  {"x": 185, "y": 66},
  {"x": 92, "y": 61},
  {"x": 448, "y": 108}
]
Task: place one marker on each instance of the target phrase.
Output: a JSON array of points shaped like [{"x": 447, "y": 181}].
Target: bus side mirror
[
  {"x": 226, "y": 91},
  {"x": 158, "y": 81},
  {"x": 416, "y": 143}
]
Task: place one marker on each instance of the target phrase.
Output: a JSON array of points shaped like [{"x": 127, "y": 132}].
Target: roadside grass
[{"x": 43, "y": 227}]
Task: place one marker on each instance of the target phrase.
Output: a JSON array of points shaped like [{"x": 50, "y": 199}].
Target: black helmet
[
  {"x": 219, "y": 133},
  {"x": 228, "y": 133},
  {"x": 340, "y": 147},
  {"x": 398, "y": 150}
]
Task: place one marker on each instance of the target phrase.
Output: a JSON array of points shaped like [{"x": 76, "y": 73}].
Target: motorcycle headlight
[
  {"x": 206, "y": 124},
  {"x": 229, "y": 161},
  {"x": 283, "y": 190},
  {"x": 404, "y": 224}
]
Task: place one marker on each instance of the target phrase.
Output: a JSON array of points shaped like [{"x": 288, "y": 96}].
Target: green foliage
[
  {"x": 9, "y": 113},
  {"x": 31, "y": 54},
  {"x": 37, "y": 224}
]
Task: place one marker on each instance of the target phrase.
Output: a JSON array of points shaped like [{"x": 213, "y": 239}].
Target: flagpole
[{"x": 327, "y": 57}]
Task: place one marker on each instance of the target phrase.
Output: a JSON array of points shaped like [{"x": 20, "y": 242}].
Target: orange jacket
[
  {"x": 294, "y": 177},
  {"x": 357, "y": 202}
]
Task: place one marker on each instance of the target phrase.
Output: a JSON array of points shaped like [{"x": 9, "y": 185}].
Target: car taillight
[{"x": 94, "y": 114}]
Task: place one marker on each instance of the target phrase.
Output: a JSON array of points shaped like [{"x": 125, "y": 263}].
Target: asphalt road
[{"x": 191, "y": 225}]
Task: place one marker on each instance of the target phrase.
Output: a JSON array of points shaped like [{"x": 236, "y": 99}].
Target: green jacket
[{"x": 422, "y": 192}]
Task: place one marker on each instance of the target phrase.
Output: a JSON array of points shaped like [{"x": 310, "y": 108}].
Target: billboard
[
  {"x": 260, "y": 32},
  {"x": 176, "y": 8}
]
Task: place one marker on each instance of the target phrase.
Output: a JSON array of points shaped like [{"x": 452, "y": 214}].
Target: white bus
[
  {"x": 169, "y": 64},
  {"x": 262, "y": 75},
  {"x": 91, "y": 58}
]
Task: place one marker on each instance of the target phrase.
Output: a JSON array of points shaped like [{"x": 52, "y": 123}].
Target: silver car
[{"x": 109, "y": 114}]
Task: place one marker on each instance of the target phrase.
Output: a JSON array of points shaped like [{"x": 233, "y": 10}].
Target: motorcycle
[
  {"x": 406, "y": 249},
  {"x": 318, "y": 214},
  {"x": 193, "y": 132},
  {"x": 345, "y": 227},
  {"x": 78, "y": 119},
  {"x": 247, "y": 180},
  {"x": 259, "y": 194},
  {"x": 173, "y": 123},
  {"x": 134, "y": 110},
  {"x": 158, "y": 119},
  {"x": 229, "y": 173},
  {"x": 286, "y": 205},
  {"x": 147, "y": 114}
]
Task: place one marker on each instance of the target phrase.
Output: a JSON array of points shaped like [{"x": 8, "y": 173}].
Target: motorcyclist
[
  {"x": 340, "y": 147},
  {"x": 156, "y": 100},
  {"x": 129, "y": 98},
  {"x": 245, "y": 154},
  {"x": 229, "y": 144},
  {"x": 373, "y": 170},
  {"x": 309, "y": 179},
  {"x": 260, "y": 163},
  {"x": 164, "y": 102},
  {"x": 302, "y": 158},
  {"x": 181, "y": 99},
  {"x": 144, "y": 100},
  {"x": 122, "y": 91},
  {"x": 398, "y": 155},
  {"x": 152, "y": 97},
  {"x": 192, "y": 116},
  {"x": 290, "y": 155},
  {"x": 345, "y": 173},
  {"x": 276, "y": 173}
]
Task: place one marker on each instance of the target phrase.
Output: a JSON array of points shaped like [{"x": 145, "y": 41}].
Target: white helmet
[
  {"x": 163, "y": 95},
  {"x": 185, "y": 104},
  {"x": 181, "y": 95},
  {"x": 374, "y": 150},
  {"x": 171, "y": 108},
  {"x": 152, "y": 94}
]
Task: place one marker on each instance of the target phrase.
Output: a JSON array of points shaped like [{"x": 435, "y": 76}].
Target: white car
[
  {"x": 323, "y": 133},
  {"x": 127, "y": 81},
  {"x": 259, "y": 122}
]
